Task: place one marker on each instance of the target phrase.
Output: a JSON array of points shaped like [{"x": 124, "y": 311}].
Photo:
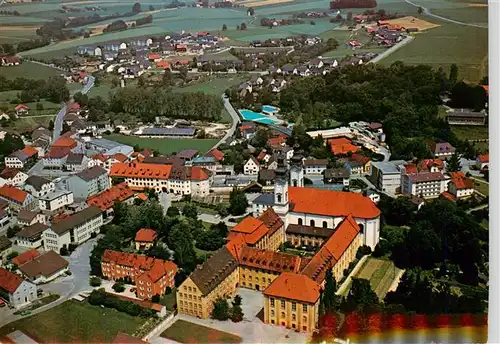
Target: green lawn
[
  {"x": 75, "y": 322},
  {"x": 201, "y": 209},
  {"x": 470, "y": 132},
  {"x": 215, "y": 86},
  {"x": 481, "y": 186},
  {"x": 442, "y": 46},
  {"x": 29, "y": 70},
  {"x": 380, "y": 273},
  {"x": 471, "y": 15},
  {"x": 187, "y": 332},
  {"x": 26, "y": 124},
  {"x": 165, "y": 146}
]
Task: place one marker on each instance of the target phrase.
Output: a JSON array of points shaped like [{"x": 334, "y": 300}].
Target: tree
[
  {"x": 251, "y": 11},
  {"x": 453, "y": 74},
  {"x": 453, "y": 164},
  {"x": 221, "y": 309},
  {"x": 361, "y": 297},
  {"x": 260, "y": 138},
  {"x": 39, "y": 106},
  {"x": 119, "y": 287},
  {"x": 329, "y": 300},
  {"x": 136, "y": 8},
  {"x": 190, "y": 210},
  {"x": 224, "y": 27},
  {"x": 420, "y": 10},
  {"x": 238, "y": 202},
  {"x": 184, "y": 255},
  {"x": 94, "y": 281},
  {"x": 236, "y": 313},
  {"x": 159, "y": 252},
  {"x": 12, "y": 255},
  {"x": 237, "y": 300},
  {"x": 120, "y": 212},
  {"x": 155, "y": 298},
  {"x": 12, "y": 231},
  {"x": 349, "y": 16},
  {"x": 173, "y": 211},
  {"x": 183, "y": 73},
  {"x": 151, "y": 8},
  {"x": 237, "y": 27},
  {"x": 243, "y": 26},
  {"x": 151, "y": 193},
  {"x": 51, "y": 125}
]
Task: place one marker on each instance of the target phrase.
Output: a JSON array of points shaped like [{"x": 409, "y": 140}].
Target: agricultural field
[
  {"x": 471, "y": 132},
  {"x": 380, "y": 273},
  {"x": 29, "y": 70},
  {"x": 186, "y": 332},
  {"x": 165, "y": 146},
  {"x": 75, "y": 322}
]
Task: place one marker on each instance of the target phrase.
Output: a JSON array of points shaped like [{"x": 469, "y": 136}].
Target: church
[{"x": 310, "y": 210}]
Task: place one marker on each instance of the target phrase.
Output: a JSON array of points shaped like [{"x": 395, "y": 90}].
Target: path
[
  {"x": 482, "y": 206},
  {"x": 392, "y": 49},
  {"x": 234, "y": 116},
  {"x": 426, "y": 11}
]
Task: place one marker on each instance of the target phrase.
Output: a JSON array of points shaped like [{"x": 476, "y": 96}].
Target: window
[
  {"x": 325, "y": 225},
  {"x": 272, "y": 302},
  {"x": 304, "y": 308},
  {"x": 304, "y": 328},
  {"x": 272, "y": 312},
  {"x": 294, "y": 306},
  {"x": 300, "y": 222},
  {"x": 278, "y": 197},
  {"x": 282, "y": 314},
  {"x": 311, "y": 223},
  {"x": 294, "y": 317},
  {"x": 304, "y": 319},
  {"x": 282, "y": 304}
]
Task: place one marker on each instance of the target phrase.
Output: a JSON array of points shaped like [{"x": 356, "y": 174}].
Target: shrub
[
  {"x": 221, "y": 309},
  {"x": 119, "y": 287},
  {"x": 168, "y": 290},
  {"x": 155, "y": 298},
  {"x": 93, "y": 235},
  {"x": 95, "y": 281},
  {"x": 363, "y": 251}
]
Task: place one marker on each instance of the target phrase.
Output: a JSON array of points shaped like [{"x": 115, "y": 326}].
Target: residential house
[
  {"x": 44, "y": 268},
  {"x": 483, "y": 161},
  {"x": 26, "y": 257},
  {"x": 266, "y": 177},
  {"x": 12, "y": 176},
  {"x": 338, "y": 176},
  {"x": 39, "y": 186},
  {"x": 145, "y": 238},
  {"x": 215, "y": 153},
  {"x": 28, "y": 218},
  {"x": 74, "y": 229},
  {"x": 5, "y": 249},
  {"x": 151, "y": 275},
  {"x": 460, "y": 186},
  {"x": 106, "y": 199},
  {"x": 20, "y": 158},
  {"x": 89, "y": 182},
  {"x": 76, "y": 162},
  {"x": 251, "y": 167},
  {"x": 358, "y": 164},
  {"x": 187, "y": 154},
  {"x": 55, "y": 201},
  {"x": 5, "y": 218},
  {"x": 316, "y": 63},
  {"x": 289, "y": 69},
  {"x": 315, "y": 166},
  {"x": 21, "y": 110},
  {"x": 18, "y": 292},
  {"x": 31, "y": 236},
  {"x": 442, "y": 150},
  {"x": 17, "y": 198}
]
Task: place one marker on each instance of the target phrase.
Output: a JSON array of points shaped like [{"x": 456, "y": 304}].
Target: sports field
[
  {"x": 380, "y": 273},
  {"x": 165, "y": 146},
  {"x": 75, "y": 322}
]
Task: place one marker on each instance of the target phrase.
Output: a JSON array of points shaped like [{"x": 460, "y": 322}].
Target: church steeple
[
  {"x": 281, "y": 184},
  {"x": 297, "y": 167}
]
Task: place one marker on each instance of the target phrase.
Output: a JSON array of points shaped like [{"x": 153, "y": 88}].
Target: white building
[
  {"x": 28, "y": 218},
  {"x": 315, "y": 166},
  {"x": 13, "y": 177},
  {"x": 251, "y": 167},
  {"x": 20, "y": 292},
  {"x": 75, "y": 229},
  {"x": 460, "y": 186},
  {"x": 386, "y": 176},
  {"x": 55, "y": 200},
  {"x": 423, "y": 184},
  {"x": 31, "y": 236},
  {"x": 39, "y": 186}
]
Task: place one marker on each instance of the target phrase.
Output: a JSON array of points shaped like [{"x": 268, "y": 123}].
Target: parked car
[{"x": 2, "y": 303}]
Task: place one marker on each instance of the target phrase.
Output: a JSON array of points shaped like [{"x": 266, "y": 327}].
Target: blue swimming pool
[
  {"x": 258, "y": 117},
  {"x": 270, "y": 109}
]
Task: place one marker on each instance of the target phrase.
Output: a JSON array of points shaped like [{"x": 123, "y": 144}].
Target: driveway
[{"x": 251, "y": 329}]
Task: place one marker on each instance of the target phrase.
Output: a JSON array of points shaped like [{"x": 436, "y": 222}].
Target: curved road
[
  {"x": 429, "y": 13},
  {"x": 236, "y": 119},
  {"x": 59, "y": 119}
]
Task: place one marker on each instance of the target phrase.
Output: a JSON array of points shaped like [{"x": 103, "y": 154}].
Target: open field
[
  {"x": 410, "y": 21},
  {"x": 481, "y": 186},
  {"x": 215, "y": 86},
  {"x": 265, "y": 3},
  {"x": 165, "y": 146},
  {"x": 29, "y": 70},
  {"x": 28, "y": 124},
  {"x": 471, "y": 132},
  {"x": 74, "y": 322},
  {"x": 380, "y": 273},
  {"x": 186, "y": 332},
  {"x": 442, "y": 46},
  {"x": 469, "y": 14}
]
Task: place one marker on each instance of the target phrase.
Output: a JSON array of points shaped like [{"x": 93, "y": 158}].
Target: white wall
[{"x": 24, "y": 294}]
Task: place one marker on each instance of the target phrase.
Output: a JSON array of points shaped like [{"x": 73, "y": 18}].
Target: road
[
  {"x": 466, "y": 167},
  {"x": 429, "y": 13},
  {"x": 234, "y": 116},
  {"x": 392, "y": 49},
  {"x": 67, "y": 286},
  {"x": 59, "y": 119}
]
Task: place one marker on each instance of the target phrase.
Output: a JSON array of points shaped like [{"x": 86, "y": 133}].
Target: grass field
[
  {"x": 470, "y": 132},
  {"x": 187, "y": 332},
  {"x": 165, "y": 146},
  {"x": 74, "y": 322},
  {"x": 26, "y": 124},
  {"x": 215, "y": 86},
  {"x": 447, "y": 44},
  {"x": 380, "y": 273},
  {"x": 29, "y": 70},
  {"x": 481, "y": 186}
]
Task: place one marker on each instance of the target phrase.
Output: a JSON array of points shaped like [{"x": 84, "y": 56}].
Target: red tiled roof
[
  {"x": 100, "y": 157},
  {"x": 120, "y": 157},
  {"x": 154, "y": 56},
  {"x": 21, "y": 106},
  {"x": 9, "y": 173},
  {"x": 342, "y": 146},
  {"x": 428, "y": 163},
  {"x": 65, "y": 142},
  {"x": 145, "y": 235},
  {"x": 261, "y": 156},
  {"x": 271, "y": 220},
  {"x": 106, "y": 199},
  {"x": 235, "y": 244},
  {"x": 13, "y": 194},
  {"x": 360, "y": 158},
  {"x": 198, "y": 173},
  {"x": 26, "y": 257},
  {"x": 215, "y": 153},
  {"x": 277, "y": 141},
  {"x": 159, "y": 269},
  {"x": 293, "y": 286},
  {"x": 331, "y": 203},
  {"x": 9, "y": 281},
  {"x": 448, "y": 196},
  {"x": 268, "y": 260},
  {"x": 484, "y": 157},
  {"x": 142, "y": 196},
  {"x": 140, "y": 170},
  {"x": 29, "y": 151},
  {"x": 162, "y": 64},
  {"x": 461, "y": 181},
  {"x": 58, "y": 152},
  {"x": 253, "y": 229}
]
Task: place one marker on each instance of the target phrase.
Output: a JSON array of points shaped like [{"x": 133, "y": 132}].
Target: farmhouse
[
  {"x": 466, "y": 117},
  {"x": 21, "y": 110}
]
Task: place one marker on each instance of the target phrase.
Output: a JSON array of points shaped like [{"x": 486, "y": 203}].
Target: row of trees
[
  {"x": 53, "y": 89},
  {"x": 100, "y": 298}
]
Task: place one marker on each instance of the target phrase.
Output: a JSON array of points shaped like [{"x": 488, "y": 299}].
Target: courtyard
[{"x": 251, "y": 330}]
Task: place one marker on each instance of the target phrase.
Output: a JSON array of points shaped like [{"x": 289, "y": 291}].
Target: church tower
[
  {"x": 281, "y": 204},
  {"x": 297, "y": 167}
]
